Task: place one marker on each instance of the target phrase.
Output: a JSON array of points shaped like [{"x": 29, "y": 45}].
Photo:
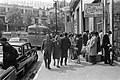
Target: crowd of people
[{"x": 71, "y": 46}]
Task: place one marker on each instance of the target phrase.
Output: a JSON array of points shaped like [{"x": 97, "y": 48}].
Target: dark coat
[
  {"x": 79, "y": 46},
  {"x": 57, "y": 49},
  {"x": 106, "y": 41},
  {"x": 10, "y": 55},
  {"x": 47, "y": 47},
  {"x": 65, "y": 45},
  {"x": 85, "y": 39},
  {"x": 98, "y": 44}
]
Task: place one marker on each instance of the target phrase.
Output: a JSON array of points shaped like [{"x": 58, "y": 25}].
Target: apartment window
[
  {"x": 36, "y": 13},
  {"x": 21, "y": 10},
  {"x": 44, "y": 13},
  {"x": 2, "y": 9}
]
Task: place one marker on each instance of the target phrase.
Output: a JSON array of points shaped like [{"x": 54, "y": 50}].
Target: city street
[
  {"x": 34, "y": 68},
  {"x": 83, "y": 71}
]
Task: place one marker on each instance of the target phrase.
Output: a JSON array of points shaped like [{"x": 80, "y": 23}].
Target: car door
[
  {"x": 28, "y": 52},
  {"x": 21, "y": 60},
  {"x": 32, "y": 52}
]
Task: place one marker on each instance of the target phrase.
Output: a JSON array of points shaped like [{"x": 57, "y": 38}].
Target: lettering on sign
[{"x": 93, "y": 10}]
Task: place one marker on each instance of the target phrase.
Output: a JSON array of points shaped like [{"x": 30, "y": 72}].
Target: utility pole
[{"x": 55, "y": 4}]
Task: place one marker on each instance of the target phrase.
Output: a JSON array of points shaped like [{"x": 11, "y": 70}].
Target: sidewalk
[{"x": 83, "y": 71}]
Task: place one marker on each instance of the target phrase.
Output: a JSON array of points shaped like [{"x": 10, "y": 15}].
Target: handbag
[{"x": 83, "y": 50}]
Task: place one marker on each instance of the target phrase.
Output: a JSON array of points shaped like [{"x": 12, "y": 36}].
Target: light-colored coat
[{"x": 93, "y": 46}]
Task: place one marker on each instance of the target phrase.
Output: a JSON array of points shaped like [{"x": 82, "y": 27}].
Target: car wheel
[{"x": 36, "y": 57}]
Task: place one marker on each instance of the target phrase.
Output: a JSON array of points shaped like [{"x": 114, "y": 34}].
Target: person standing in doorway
[{"x": 65, "y": 45}]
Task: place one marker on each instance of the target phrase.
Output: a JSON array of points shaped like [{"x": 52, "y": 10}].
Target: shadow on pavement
[
  {"x": 117, "y": 64},
  {"x": 64, "y": 69}
]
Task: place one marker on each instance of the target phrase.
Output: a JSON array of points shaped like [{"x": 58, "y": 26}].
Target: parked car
[
  {"x": 16, "y": 39},
  {"x": 27, "y": 55},
  {"x": 8, "y": 74}
]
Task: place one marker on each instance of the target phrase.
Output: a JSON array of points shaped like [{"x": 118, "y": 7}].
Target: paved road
[
  {"x": 34, "y": 68},
  {"x": 83, "y": 71}
]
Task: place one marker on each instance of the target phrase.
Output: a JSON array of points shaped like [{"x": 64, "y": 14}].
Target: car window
[
  {"x": 19, "y": 50},
  {"x": 29, "y": 47},
  {"x": 25, "y": 48}
]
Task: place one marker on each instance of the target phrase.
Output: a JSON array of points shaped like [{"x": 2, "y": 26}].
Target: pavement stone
[{"x": 83, "y": 71}]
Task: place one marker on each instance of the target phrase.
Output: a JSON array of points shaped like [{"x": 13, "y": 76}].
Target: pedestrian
[
  {"x": 65, "y": 45},
  {"x": 98, "y": 42},
  {"x": 85, "y": 38},
  {"x": 93, "y": 48},
  {"x": 47, "y": 48},
  {"x": 57, "y": 50},
  {"x": 79, "y": 47},
  {"x": 71, "y": 49},
  {"x": 106, "y": 45},
  {"x": 10, "y": 54},
  {"x": 101, "y": 37},
  {"x": 88, "y": 48}
]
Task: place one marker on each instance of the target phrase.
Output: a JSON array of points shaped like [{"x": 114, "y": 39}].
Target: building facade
[{"x": 39, "y": 14}]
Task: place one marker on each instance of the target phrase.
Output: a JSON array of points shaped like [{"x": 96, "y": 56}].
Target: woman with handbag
[
  {"x": 57, "y": 50},
  {"x": 71, "y": 49}
]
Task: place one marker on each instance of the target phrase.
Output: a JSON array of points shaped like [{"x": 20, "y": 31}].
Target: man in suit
[
  {"x": 106, "y": 45},
  {"x": 65, "y": 45}
]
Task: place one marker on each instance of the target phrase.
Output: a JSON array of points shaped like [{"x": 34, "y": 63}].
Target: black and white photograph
[{"x": 59, "y": 39}]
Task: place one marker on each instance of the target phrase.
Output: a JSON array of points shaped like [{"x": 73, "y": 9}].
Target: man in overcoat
[
  {"x": 65, "y": 45},
  {"x": 47, "y": 47},
  {"x": 10, "y": 54}
]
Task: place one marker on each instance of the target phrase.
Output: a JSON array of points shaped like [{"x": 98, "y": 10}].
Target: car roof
[{"x": 19, "y": 43}]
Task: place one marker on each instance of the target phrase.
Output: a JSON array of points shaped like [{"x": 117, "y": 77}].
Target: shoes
[
  {"x": 93, "y": 63},
  {"x": 106, "y": 63},
  {"x": 78, "y": 62},
  {"x": 112, "y": 65},
  {"x": 58, "y": 66},
  {"x": 46, "y": 66},
  {"x": 49, "y": 68},
  {"x": 54, "y": 64}
]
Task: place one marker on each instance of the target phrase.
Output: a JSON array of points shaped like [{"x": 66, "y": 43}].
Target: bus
[{"x": 36, "y": 34}]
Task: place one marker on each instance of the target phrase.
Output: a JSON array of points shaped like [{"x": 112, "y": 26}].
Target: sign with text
[{"x": 93, "y": 10}]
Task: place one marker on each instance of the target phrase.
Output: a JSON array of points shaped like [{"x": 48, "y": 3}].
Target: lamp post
[{"x": 55, "y": 5}]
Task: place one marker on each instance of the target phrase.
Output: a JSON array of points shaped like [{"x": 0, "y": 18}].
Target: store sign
[{"x": 93, "y": 10}]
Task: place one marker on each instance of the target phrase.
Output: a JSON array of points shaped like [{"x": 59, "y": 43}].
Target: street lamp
[{"x": 55, "y": 5}]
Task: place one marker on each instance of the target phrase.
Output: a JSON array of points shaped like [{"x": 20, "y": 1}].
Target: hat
[{"x": 3, "y": 39}]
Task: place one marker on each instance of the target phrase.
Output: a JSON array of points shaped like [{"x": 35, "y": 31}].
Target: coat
[
  {"x": 79, "y": 46},
  {"x": 47, "y": 47},
  {"x": 57, "y": 49},
  {"x": 93, "y": 46},
  {"x": 10, "y": 55},
  {"x": 65, "y": 45}
]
